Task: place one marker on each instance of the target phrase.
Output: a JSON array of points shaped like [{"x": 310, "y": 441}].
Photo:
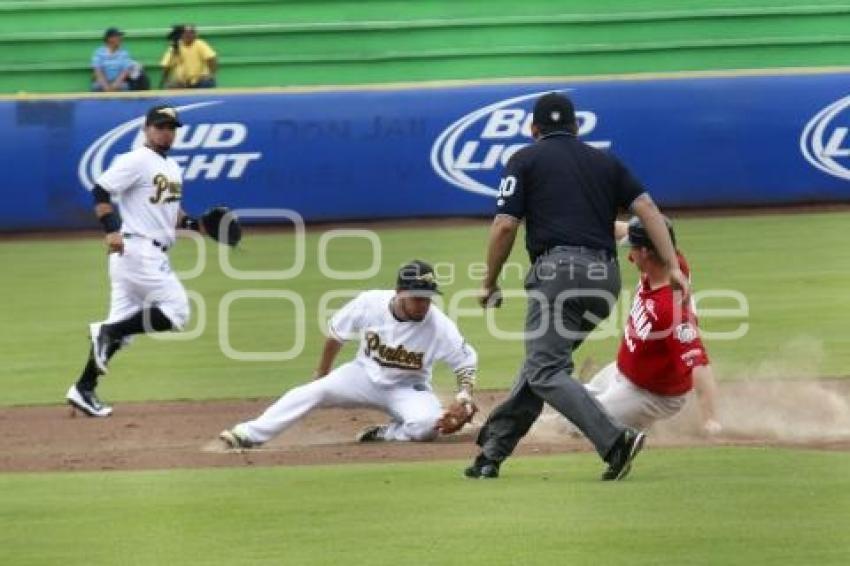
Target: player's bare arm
[
  {"x": 621, "y": 230},
  {"x": 108, "y": 218},
  {"x": 329, "y": 353},
  {"x": 502, "y": 235},
  {"x": 645, "y": 209},
  {"x": 464, "y": 361},
  {"x": 465, "y": 384},
  {"x": 706, "y": 389}
]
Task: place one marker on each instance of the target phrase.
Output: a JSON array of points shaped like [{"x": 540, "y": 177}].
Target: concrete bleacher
[{"x": 45, "y": 45}]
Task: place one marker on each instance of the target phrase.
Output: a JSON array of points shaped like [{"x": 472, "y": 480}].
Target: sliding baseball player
[
  {"x": 661, "y": 355},
  {"x": 401, "y": 335}
]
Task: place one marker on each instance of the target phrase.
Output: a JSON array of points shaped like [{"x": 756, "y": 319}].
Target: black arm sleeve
[
  {"x": 628, "y": 188},
  {"x": 100, "y": 195}
]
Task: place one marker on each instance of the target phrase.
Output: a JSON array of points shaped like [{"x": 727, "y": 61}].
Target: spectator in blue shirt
[{"x": 111, "y": 64}]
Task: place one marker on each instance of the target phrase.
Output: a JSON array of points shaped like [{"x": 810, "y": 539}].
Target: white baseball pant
[
  {"x": 414, "y": 410},
  {"x": 631, "y": 405},
  {"x": 142, "y": 277}
]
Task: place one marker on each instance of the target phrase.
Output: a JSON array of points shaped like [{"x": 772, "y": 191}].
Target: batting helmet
[{"x": 639, "y": 237}]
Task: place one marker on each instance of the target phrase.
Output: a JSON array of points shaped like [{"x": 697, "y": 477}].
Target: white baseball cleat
[
  {"x": 87, "y": 402},
  {"x": 236, "y": 440}
]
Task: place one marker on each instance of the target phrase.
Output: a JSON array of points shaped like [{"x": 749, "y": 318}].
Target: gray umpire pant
[{"x": 571, "y": 290}]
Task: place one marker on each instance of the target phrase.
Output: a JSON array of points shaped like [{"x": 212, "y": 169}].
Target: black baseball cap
[
  {"x": 162, "y": 114},
  {"x": 111, "y": 32},
  {"x": 417, "y": 276},
  {"x": 554, "y": 111}
]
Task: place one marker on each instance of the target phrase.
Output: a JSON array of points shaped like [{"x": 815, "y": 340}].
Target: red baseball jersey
[{"x": 661, "y": 344}]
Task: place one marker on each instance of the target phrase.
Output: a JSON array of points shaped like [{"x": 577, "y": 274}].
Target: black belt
[
  {"x": 155, "y": 243},
  {"x": 602, "y": 255}
]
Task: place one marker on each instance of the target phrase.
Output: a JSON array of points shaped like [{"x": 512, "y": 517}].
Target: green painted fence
[{"x": 45, "y": 45}]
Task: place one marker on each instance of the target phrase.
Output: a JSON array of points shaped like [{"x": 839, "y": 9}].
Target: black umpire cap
[
  {"x": 554, "y": 111},
  {"x": 639, "y": 237},
  {"x": 162, "y": 114},
  {"x": 417, "y": 276}
]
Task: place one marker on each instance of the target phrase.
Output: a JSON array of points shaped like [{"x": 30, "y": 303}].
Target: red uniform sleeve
[{"x": 686, "y": 348}]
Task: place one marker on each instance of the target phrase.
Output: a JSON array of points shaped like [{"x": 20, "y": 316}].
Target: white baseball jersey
[
  {"x": 392, "y": 351},
  {"x": 148, "y": 188}
]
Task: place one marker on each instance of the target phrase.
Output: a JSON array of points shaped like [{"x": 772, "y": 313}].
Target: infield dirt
[{"x": 181, "y": 434}]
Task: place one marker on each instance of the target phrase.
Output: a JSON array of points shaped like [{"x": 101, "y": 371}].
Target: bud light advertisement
[{"x": 372, "y": 153}]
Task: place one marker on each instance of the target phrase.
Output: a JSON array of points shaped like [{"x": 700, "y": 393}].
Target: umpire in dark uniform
[{"x": 569, "y": 194}]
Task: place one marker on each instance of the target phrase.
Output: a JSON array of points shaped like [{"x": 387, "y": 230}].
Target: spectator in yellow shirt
[{"x": 189, "y": 62}]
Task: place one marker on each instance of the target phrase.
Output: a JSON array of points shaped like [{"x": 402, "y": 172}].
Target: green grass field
[
  {"x": 689, "y": 506},
  {"x": 790, "y": 269},
  {"x": 696, "y": 506}
]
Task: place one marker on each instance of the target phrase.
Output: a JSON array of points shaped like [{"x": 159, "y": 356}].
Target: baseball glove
[
  {"x": 457, "y": 415},
  {"x": 221, "y": 225}
]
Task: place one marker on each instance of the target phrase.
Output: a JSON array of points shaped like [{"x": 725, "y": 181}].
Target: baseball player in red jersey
[{"x": 661, "y": 355}]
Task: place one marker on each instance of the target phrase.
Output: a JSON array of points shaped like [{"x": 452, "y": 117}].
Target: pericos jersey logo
[
  {"x": 823, "y": 142},
  {"x": 203, "y": 150},
  {"x": 471, "y": 152}
]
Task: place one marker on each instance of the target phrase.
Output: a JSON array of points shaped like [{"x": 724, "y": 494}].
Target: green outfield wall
[{"x": 45, "y": 45}]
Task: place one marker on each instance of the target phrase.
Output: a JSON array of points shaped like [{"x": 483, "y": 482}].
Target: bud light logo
[
  {"x": 472, "y": 151},
  {"x": 206, "y": 151},
  {"x": 824, "y": 141}
]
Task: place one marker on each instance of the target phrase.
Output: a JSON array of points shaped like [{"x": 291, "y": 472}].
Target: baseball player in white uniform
[
  {"x": 401, "y": 334},
  {"x": 146, "y": 295}
]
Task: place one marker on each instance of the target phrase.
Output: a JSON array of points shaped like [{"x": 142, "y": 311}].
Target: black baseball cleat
[
  {"x": 374, "y": 433},
  {"x": 622, "y": 454},
  {"x": 482, "y": 468},
  {"x": 87, "y": 402}
]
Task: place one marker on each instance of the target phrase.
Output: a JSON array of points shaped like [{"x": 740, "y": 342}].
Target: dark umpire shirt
[{"x": 568, "y": 192}]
